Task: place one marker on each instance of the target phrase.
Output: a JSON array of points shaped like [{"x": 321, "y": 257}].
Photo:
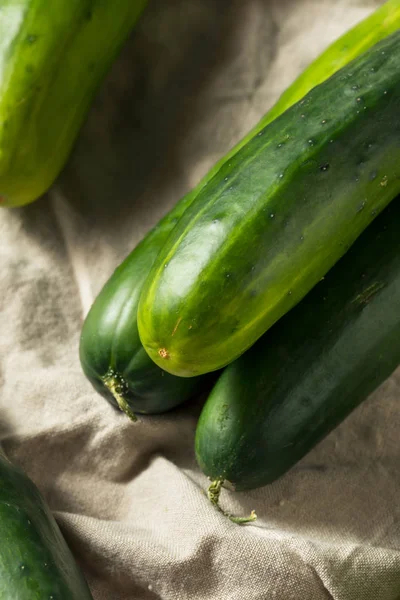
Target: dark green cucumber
[
  {"x": 110, "y": 350},
  {"x": 53, "y": 56},
  {"x": 35, "y": 561},
  {"x": 111, "y": 354},
  {"x": 276, "y": 218},
  {"x": 303, "y": 377}
]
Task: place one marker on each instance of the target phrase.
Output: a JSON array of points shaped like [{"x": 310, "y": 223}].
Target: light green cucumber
[
  {"x": 275, "y": 218},
  {"x": 53, "y": 57}
]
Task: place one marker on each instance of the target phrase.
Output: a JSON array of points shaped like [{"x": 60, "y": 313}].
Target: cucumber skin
[
  {"x": 151, "y": 389},
  {"x": 35, "y": 561},
  {"x": 276, "y": 218},
  {"x": 53, "y": 57},
  {"x": 302, "y": 378}
]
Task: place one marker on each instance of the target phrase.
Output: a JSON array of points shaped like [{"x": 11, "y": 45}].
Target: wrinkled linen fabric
[{"x": 195, "y": 76}]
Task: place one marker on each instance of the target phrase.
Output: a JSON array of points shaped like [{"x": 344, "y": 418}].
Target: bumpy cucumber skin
[
  {"x": 303, "y": 377},
  {"x": 154, "y": 390},
  {"x": 276, "y": 218},
  {"x": 35, "y": 561},
  {"x": 53, "y": 56},
  {"x": 110, "y": 339}
]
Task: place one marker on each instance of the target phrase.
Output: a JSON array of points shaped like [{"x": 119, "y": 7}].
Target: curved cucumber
[
  {"x": 53, "y": 56},
  {"x": 111, "y": 353},
  {"x": 302, "y": 378},
  {"x": 35, "y": 562},
  {"x": 276, "y": 218}
]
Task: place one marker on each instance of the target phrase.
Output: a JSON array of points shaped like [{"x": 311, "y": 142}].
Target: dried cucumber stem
[
  {"x": 116, "y": 385},
  {"x": 213, "y": 494}
]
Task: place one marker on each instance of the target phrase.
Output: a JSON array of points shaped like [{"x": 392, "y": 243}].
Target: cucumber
[
  {"x": 53, "y": 56},
  {"x": 111, "y": 353},
  {"x": 35, "y": 561},
  {"x": 275, "y": 218},
  {"x": 302, "y": 378}
]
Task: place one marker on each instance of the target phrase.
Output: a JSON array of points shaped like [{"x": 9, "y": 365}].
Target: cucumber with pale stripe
[
  {"x": 275, "y": 218},
  {"x": 53, "y": 57}
]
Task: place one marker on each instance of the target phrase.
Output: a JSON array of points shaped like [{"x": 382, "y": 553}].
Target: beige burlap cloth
[{"x": 195, "y": 76}]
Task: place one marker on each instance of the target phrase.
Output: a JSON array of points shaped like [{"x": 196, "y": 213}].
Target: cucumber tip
[{"x": 116, "y": 385}]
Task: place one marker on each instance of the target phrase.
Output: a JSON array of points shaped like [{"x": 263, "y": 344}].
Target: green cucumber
[
  {"x": 35, "y": 561},
  {"x": 275, "y": 218},
  {"x": 302, "y": 378},
  {"x": 111, "y": 353},
  {"x": 53, "y": 56}
]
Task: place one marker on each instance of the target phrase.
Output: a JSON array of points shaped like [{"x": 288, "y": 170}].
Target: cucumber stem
[
  {"x": 214, "y": 492},
  {"x": 115, "y": 385}
]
